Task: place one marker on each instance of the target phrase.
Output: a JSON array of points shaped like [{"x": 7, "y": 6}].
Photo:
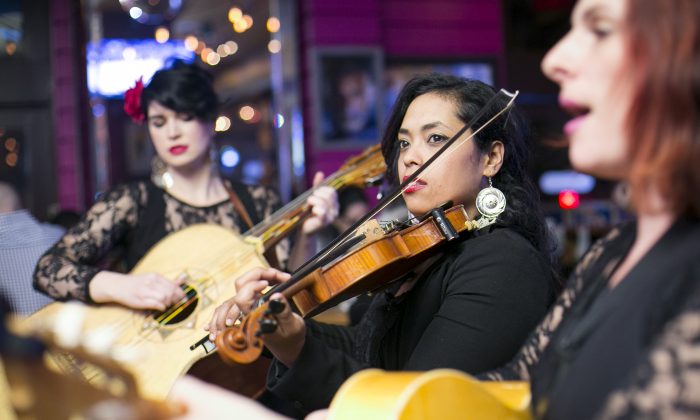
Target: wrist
[
  {"x": 288, "y": 351},
  {"x": 99, "y": 289}
]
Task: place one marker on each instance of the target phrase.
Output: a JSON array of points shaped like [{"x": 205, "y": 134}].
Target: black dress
[
  {"x": 628, "y": 352},
  {"x": 470, "y": 311}
]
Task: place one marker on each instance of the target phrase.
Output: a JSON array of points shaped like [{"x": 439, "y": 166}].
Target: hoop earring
[
  {"x": 490, "y": 202},
  {"x": 159, "y": 173}
]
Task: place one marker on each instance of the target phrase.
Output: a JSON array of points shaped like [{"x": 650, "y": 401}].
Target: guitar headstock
[{"x": 363, "y": 170}]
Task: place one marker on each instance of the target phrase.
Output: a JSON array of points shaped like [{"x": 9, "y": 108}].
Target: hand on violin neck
[{"x": 249, "y": 287}]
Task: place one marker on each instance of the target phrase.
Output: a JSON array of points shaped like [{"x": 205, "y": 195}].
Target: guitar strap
[
  {"x": 237, "y": 204},
  {"x": 243, "y": 201}
]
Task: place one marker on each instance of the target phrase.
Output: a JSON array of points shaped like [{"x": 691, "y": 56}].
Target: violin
[{"x": 368, "y": 266}]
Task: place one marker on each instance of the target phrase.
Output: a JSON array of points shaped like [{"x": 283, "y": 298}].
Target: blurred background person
[
  {"x": 352, "y": 205},
  {"x": 352, "y": 105},
  {"x": 22, "y": 241}
]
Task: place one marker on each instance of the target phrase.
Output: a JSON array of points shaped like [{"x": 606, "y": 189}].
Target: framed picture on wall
[
  {"x": 396, "y": 74},
  {"x": 348, "y": 105}
]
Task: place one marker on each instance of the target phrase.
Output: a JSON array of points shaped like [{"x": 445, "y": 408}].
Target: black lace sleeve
[
  {"x": 65, "y": 270},
  {"x": 529, "y": 354},
  {"x": 666, "y": 384}
]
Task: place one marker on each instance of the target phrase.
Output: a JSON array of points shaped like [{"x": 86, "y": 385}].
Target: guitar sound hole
[{"x": 181, "y": 310}]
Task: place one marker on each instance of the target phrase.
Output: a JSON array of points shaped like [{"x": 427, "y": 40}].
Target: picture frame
[
  {"x": 397, "y": 73},
  {"x": 348, "y": 96}
]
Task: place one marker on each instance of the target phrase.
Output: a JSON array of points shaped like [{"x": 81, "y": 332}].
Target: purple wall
[
  {"x": 67, "y": 103},
  {"x": 442, "y": 29}
]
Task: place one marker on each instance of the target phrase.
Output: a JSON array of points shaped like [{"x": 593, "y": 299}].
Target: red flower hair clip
[{"x": 132, "y": 102}]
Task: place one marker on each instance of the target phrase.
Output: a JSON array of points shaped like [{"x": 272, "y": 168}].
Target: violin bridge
[{"x": 372, "y": 230}]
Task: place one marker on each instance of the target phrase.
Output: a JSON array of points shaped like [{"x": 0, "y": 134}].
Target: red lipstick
[
  {"x": 178, "y": 150},
  {"x": 417, "y": 184}
]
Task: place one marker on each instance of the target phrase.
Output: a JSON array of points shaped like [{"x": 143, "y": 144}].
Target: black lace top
[
  {"x": 127, "y": 221},
  {"x": 628, "y": 352}
]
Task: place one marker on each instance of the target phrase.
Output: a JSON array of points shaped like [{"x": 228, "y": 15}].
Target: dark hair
[
  {"x": 662, "y": 124},
  {"x": 523, "y": 212},
  {"x": 184, "y": 88}
]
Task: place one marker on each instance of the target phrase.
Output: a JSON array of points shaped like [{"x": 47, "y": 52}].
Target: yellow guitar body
[
  {"x": 211, "y": 258},
  {"x": 442, "y": 394}
]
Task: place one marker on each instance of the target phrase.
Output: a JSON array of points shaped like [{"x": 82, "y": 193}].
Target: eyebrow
[
  {"x": 425, "y": 127},
  {"x": 590, "y": 12}
]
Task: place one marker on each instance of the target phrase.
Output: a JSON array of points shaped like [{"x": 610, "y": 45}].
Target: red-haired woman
[{"x": 624, "y": 338}]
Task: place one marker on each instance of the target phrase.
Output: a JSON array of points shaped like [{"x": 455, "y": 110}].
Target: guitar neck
[{"x": 282, "y": 222}]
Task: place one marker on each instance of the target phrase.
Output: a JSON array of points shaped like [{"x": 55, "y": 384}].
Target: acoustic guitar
[
  {"x": 443, "y": 394},
  {"x": 209, "y": 258}
]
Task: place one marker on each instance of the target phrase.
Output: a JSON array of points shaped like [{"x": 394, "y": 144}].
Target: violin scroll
[{"x": 242, "y": 343}]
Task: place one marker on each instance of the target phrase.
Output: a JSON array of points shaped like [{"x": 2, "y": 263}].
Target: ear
[{"x": 493, "y": 159}]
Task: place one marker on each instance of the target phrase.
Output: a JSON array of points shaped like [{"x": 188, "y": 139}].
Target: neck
[
  {"x": 654, "y": 219},
  {"x": 199, "y": 185},
  {"x": 652, "y": 223}
]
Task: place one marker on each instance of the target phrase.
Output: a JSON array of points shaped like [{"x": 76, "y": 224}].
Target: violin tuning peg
[
  {"x": 274, "y": 307},
  {"x": 267, "y": 326}
]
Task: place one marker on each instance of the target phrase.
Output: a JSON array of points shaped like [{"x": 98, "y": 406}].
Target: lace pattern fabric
[{"x": 66, "y": 269}]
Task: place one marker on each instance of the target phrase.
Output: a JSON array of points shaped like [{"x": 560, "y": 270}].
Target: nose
[
  {"x": 411, "y": 156},
  {"x": 173, "y": 129},
  {"x": 557, "y": 64}
]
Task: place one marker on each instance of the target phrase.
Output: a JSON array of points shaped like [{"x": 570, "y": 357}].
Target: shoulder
[
  {"x": 500, "y": 244},
  {"x": 123, "y": 199},
  {"x": 261, "y": 192},
  {"x": 494, "y": 260},
  {"x": 265, "y": 198},
  {"x": 136, "y": 190}
]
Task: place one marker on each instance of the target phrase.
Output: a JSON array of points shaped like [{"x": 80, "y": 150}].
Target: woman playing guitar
[
  {"x": 179, "y": 106},
  {"x": 470, "y": 307}
]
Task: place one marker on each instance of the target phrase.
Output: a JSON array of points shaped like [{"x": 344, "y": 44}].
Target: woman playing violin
[{"x": 469, "y": 308}]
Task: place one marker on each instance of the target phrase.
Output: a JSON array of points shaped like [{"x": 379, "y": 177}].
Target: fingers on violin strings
[
  {"x": 218, "y": 321},
  {"x": 232, "y": 315},
  {"x": 257, "y": 274}
]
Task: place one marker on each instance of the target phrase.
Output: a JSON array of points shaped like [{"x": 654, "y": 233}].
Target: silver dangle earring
[{"x": 490, "y": 202}]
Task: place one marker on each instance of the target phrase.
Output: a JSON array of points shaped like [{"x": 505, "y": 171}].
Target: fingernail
[
  {"x": 212, "y": 336},
  {"x": 229, "y": 322}
]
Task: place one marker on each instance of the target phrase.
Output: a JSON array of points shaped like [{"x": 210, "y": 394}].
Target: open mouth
[
  {"x": 579, "y": 112},
  {"x": 573, "y": 108}
]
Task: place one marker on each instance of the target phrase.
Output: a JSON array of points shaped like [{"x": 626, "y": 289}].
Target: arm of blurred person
[{"x": 203, "y": 401}]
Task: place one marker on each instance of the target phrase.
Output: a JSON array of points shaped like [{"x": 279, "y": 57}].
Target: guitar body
[
  {"x": 436, "y": 394},
  {"x": 211, "y": 258}
]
